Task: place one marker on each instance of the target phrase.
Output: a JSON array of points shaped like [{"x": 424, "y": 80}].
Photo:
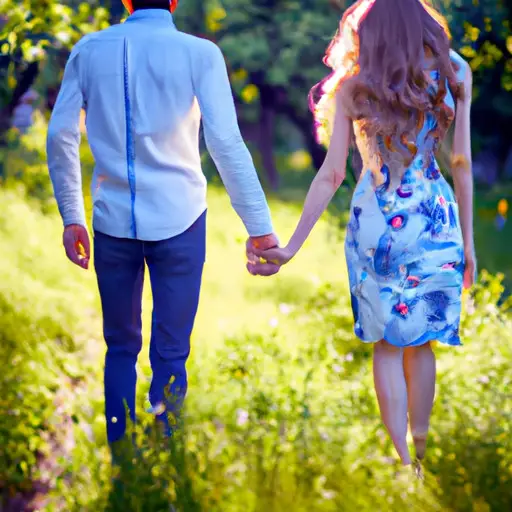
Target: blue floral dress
[{"x": 404, "y": 247}]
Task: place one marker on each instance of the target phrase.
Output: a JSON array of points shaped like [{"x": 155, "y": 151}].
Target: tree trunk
[
  {"x": 25, "y": 82},
  {"x": 305, "y": 126},
  {"x": 266, "y": 145}
]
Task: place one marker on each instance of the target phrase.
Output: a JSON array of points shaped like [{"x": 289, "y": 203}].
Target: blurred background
[{"x": 281, "y": 413}]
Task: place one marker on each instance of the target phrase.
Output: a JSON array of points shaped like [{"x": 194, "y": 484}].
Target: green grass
[{"x": 281, "y": 413}]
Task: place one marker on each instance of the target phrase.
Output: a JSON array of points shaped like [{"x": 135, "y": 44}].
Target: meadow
[{"x": 281, "y": 413}]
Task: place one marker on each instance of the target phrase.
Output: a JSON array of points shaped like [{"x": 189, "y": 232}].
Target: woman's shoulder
[{"x": 461, "y": 65}]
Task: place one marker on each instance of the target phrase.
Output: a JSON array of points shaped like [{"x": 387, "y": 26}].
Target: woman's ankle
[{"x": 420, "y": 443}]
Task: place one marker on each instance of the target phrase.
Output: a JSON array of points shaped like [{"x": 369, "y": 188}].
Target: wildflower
[
  {"x": 284, "y": 308},
  {"x": 242, "y": 417},
  {"x": 328, "y": 495},
  {"x": 503, "y": 207}
]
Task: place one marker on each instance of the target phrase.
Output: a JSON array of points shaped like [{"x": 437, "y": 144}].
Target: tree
[
  {"x": 483, "y": 35},
  {"x": 274, "y": 49},
  {"x": 32, "y": 31}
]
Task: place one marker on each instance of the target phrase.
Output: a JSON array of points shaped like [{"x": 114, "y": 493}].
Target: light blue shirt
[{"x": 145, "y": 87}]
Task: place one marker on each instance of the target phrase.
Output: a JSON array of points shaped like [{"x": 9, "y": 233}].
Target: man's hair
[{"x": 151, "y": 4}]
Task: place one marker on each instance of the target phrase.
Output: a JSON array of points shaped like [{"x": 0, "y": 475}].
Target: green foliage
[
  {"x": 41, "y": 376},
  {"x": 31, "y": 29},
  {"x": 281, "y": 413},
  {"x": 273, "y": 43},
  {"x": 483, "y": 34}
]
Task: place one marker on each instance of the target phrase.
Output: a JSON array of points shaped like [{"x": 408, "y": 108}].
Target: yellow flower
[
  {"x": 503, "y": 207},
  {"x": 214, "y": 18},
  {"x": 240, "y": 75},
  {"x": 300, "y": 160},
  {"x": 509, "y": 44},
  {"x": 250, "y": 93}
]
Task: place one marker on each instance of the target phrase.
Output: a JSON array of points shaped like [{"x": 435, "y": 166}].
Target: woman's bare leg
[
  {"x": 388, "y": 374},
  {"x": 420, "y": 375}
]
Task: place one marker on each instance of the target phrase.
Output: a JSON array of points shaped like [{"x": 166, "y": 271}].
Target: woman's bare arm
[
  {"x": 327, "y": 181},
  {"x": 462, "y": 164}
]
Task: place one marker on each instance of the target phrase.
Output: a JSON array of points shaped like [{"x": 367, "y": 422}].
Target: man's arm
[
  {"x": 63, "y": 146},
  {"x": 63, "y": 149},
  {"x": 226, "y": 146}
]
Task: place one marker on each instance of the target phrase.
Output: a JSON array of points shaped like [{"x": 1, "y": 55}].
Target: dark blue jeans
[{"x": 175, "y": 268}]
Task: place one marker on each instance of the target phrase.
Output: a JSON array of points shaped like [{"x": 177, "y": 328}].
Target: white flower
[
  {"x": 274, "y": 322},
  {"x": 349, "y": 357},
  {"x": 284, "y": 308},
  {"x": 35, "y": 52},
  {"x": 328, "y": 495},
  {"x": 242, "y": 417},
  {"x": 63, "y": 37},
  {"x": 470, "y": 306}
]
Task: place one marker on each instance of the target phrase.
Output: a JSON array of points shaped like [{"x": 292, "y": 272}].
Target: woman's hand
[
  {"x": 278, "y": 255},
  {"x": 469, "y": 267}
]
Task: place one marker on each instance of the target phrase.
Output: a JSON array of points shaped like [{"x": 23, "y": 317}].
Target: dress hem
[{"x": 417, "y": 343}]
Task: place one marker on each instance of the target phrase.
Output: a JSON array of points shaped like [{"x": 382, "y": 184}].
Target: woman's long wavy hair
[{"x": 382, "y": 82}]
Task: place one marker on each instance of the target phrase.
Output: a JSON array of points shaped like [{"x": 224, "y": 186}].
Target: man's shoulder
[
  {"x": 199, "y": 44},
  {"x": 199, "y": 47},
  {"x": 99, "y": 36}
]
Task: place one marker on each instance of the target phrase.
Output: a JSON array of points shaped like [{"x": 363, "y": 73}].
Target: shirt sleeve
[
  {"x": 63, "y": 146},
  {"x": 225, "y": 143}
]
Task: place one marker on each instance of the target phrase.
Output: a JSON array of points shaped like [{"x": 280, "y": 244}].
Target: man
[{"x": 144, "y": 86}]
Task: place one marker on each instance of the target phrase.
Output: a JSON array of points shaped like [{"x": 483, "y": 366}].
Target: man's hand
[
  {"x": 77, "y": 245},
  {"x": 254, "y": 265}
]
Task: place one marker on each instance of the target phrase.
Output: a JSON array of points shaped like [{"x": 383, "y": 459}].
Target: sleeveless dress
[{"x": 404, "y": 247}]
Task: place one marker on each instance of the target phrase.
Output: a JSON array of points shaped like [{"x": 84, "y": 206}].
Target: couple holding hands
[{"x": 395, "y": 88}]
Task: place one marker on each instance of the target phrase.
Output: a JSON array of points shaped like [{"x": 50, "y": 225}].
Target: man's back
[{"x": 144, "y": 86}]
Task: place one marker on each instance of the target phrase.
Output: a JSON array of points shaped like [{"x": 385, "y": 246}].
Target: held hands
[
  {"x": 255, "y": 266},
  {"x": 264, "y": 256},
  {"x": 77, "y": 245}
]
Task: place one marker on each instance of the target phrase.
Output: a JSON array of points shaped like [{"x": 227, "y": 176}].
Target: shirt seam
[{"x": 130, "y": 156}]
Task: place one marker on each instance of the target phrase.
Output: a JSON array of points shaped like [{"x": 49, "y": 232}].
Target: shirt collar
[{"x": 154, "y": 15}]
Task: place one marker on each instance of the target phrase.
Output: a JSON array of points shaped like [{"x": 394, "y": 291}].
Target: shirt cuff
[{"x": 74, "y": 218}]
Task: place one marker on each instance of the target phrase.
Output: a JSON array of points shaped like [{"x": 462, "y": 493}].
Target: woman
[{"x": 397, "y": 86}]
